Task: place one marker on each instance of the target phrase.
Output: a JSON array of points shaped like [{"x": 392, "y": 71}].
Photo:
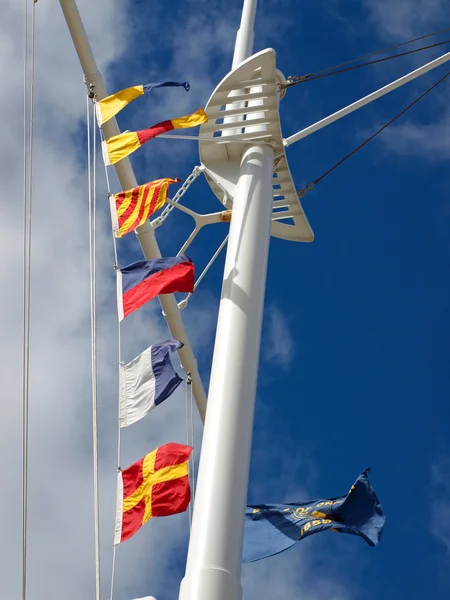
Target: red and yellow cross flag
[
  {"x": 155, "y": 486},
  {"x": 131, "y": 208}
]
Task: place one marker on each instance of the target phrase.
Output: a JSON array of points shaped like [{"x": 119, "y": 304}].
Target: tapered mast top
[{"x": 245, "y": 35}]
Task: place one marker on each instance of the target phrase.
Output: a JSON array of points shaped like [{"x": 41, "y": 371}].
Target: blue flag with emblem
[{"x": 272, "y": 528}]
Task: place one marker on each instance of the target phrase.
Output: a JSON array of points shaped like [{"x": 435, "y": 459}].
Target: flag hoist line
[
  {"x": 92, "y": 226},
  {"x": 119, "y": 362},
  {"x": 28, "y": 129},
  {"x": 190, "y": 431},
  {"x": 127, "y": 180}
]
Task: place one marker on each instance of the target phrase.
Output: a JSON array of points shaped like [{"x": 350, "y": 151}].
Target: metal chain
[
  {"x": 180, "y": 193},
  {"x": 312, "y": 185}
]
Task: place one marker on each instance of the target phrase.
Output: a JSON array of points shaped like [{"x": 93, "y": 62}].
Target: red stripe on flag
[
  {"x": 132, "y": 520},
  {"x": 133, "y": 478},
  {"x": 131, "y": 206},
  {"x": 170, "y": 497},
  {"x": 179, "y": 278},
  {"x": 155, "y": 196},
  {"x": 147, "y": 134},
  {"x": 142, "y": 206},
  {"x": 171, "y": 454}
]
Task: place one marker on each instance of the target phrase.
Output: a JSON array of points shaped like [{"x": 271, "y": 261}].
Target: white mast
[
  {"x": 127, "y": 179},
  {"x": 214, "y": 559},
  {"x": 243, "y": 47}
]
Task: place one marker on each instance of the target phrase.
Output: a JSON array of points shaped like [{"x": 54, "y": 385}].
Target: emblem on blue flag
[{"x": 272, "y": 528}]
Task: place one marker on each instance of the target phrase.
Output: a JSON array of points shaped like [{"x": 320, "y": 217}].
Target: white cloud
[
  {"x": 404, "y": 19},
  {"x": 278, "y": 344},
  {"x": 428, "y": 140},
  {"x": 397, "y": 22}
]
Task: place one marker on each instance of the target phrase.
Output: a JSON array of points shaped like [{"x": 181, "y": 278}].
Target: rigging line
[
  {"x": 312, "y": 185},
  {"x": 108, "y": 191},
  {"x": 307, "y": 78},
  {"x": 119, "y": 343},
  {"x": 353, "y": 60},
  {"x": 116, "y": 266},
  {"x": 24, "y": 300},
  {"x": 191, "y": 402},
  {"x": 28, "y": 198},
  {"x": 92, "y": 205},
  {"x": 188, "y": 441}
]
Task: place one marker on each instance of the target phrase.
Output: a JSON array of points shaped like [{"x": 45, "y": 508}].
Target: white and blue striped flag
[{"x": 147, "y": 381}]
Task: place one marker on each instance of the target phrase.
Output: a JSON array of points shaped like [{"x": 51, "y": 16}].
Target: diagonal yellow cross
[{"x": 152, "y": 477}]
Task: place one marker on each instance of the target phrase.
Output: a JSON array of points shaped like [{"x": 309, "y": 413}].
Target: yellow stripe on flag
[
  {"x": 193, "y": 120},
  {"x": 146, "y": 208},
  {"x": 135, "y": 206},
  {"x": 120, "y": 146},
  {"x": 125, "y": 227},
  {"x": 110, "y": 106},
  {"x": 125, "y": 203},
  {"x": 151, "y": 478}
]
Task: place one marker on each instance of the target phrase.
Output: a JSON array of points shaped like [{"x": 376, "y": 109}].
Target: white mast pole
[
  {"x": 127, "y": 179},
  {"x": 215, "y": 550},
  {"x": 245, "y": 36}
]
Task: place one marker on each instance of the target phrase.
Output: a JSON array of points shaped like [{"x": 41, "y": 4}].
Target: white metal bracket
[{"x": 250, "y": 93}]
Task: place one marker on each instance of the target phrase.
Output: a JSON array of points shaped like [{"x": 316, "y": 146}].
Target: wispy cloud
[
  {"x": 278, "y": 345},
  {"x": 428, "y": 140},
  {"x": 406, "y": 18},
  {"x": 397, "y": 22}
]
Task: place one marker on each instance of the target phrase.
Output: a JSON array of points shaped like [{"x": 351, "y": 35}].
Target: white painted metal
[
  {"x": 253, "y": 84},
  {"x": 245, "y": 37},
  {"x": 127, "y": 180},
  {"x": 196, "y": 138},
  {"x": 367, "y": 99},
  {"x": 215, "y": 550}
]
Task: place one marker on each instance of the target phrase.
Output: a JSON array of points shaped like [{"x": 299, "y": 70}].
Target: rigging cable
[
  {"x": 24, "y": 325},
  {"x": 312, "y": 77},
  {"x": 92, "y": 208},
  {"x": 119, "y": 431},
  {"x": 190, "y": 434},
  {"x": 188, "y": 438},
  {"x": 191, "y": 402},
  {"x": 27, "y": 222},
  {"x": 312, "y": 185},
  {"x": 294, "y": 80}
]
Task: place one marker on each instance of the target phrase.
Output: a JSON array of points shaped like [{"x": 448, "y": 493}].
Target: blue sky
[
  {"x": 355, "y": 337},
  {"x": 353, "y": 369}
]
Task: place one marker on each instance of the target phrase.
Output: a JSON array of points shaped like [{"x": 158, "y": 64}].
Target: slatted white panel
[{"x": 249, "y": 95}]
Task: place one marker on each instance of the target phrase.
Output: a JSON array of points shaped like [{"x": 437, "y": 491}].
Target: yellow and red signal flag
[
  {"x": 119, "y": 146},
  {"x": 155, "y": 486},
  {"x": 109, "y": 107},
  {"x": 131, "y": 208}
]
